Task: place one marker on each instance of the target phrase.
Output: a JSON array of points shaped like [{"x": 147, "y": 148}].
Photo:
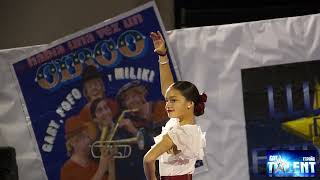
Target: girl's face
[
  {"x": 133, "y": 99},
  {"x": 81, "y": 142},
  {"x": 103, "y": 114},
  {"x": 176, "y": 103},
  {"x": 94, "y": 89}
]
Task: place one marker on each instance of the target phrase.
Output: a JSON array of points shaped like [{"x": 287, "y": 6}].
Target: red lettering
[
  {"x": 32, "y": 61},
  {"x": 60, "y": 50},
  {"x": 47, "y": 54},
  {"x": 132, "y": 21}
]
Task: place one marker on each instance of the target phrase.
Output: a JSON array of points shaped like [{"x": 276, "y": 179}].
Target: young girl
[{"x": 181, "y": 142}]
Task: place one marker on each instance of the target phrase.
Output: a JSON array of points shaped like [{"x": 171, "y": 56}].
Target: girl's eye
[{"x": 171, "y": 100}]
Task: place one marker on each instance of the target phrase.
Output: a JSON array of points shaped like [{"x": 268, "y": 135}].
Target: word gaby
[
  {"x": 106, "y": 53},
  {"x": 50, "y": 137}
]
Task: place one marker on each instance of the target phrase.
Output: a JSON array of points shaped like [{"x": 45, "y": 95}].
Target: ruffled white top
[{"x": 190, "y": 140}]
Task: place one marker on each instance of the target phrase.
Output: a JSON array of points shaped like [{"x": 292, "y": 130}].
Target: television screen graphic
[{"x": 291, "y": 163}]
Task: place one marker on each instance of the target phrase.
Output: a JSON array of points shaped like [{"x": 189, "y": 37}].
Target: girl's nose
[{"x": 168, "y": 105}]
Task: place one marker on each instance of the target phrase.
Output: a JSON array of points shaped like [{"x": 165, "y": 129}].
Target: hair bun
[
  {"x": 203, "y": 97},
  {"x": 199, "y": 109}
]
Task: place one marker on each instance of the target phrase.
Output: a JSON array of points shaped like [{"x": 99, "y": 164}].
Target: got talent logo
[{"x": 291, "y": 163}]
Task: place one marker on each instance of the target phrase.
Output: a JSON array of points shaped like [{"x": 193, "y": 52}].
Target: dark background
[
  {"x": 35, "y": 22},
  {"x": 203, "y": 13}
]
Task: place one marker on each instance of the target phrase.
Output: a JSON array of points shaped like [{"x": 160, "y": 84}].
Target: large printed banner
[
  {"x": 282, "y": 112},
  {"x": 80, "y": 88}
]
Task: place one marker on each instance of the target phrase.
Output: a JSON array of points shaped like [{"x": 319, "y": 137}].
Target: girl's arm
[
  {"x": 104, "y": 164},
  {"x": 111, "y": 170},
  {"x": 149, "y": 159},
  {"x": 166, "y": 77}
]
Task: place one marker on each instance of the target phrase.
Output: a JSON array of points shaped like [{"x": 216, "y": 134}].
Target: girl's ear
[{"x": 191, "y": 103}]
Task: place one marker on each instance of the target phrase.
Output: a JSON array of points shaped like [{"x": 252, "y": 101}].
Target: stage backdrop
[{"x": 211, "y": 57}]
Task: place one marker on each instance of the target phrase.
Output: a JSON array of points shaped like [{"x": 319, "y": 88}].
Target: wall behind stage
[
  {"x": 33, "y": 22},
  {"x": 211, "y": 57}
]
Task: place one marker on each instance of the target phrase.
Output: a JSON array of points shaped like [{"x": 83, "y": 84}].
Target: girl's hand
[
  {"x": 174, "y": 150},
  {"x": 158, "y": 43},
  {"x": 105, "y": 158},
  {"x": 128, "y": 125}
]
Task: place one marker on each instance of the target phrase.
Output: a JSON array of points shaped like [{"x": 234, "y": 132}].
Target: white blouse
[{"x": 190, "y": 140}]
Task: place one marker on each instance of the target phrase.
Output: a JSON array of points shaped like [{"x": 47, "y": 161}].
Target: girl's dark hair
[{"x": 191, "y": 93}]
